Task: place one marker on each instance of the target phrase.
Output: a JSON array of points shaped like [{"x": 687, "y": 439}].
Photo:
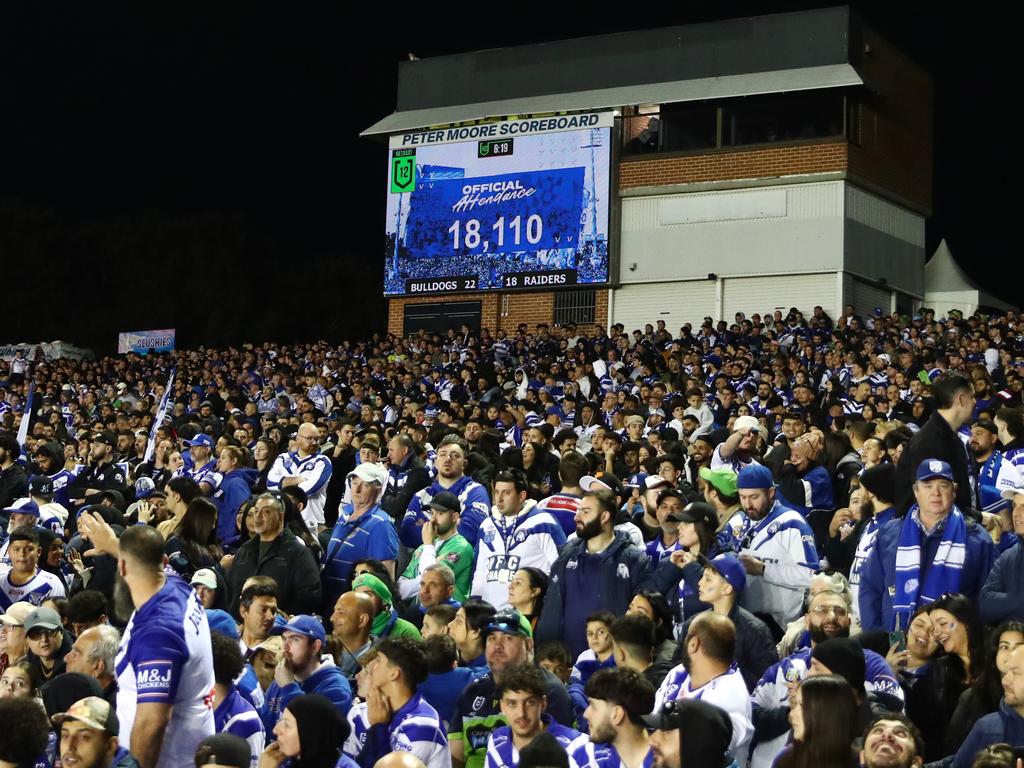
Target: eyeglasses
[
  {"x": 39, "y": 633},
  {"x": 825, "y": 610}
]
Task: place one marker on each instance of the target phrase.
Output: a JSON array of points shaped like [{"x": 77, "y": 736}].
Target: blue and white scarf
[{"x": 944, "y": 572}]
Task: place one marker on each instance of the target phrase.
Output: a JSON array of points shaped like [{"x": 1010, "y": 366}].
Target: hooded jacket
[
  {"x": 621, "y": 571},
  {"x": 1003, "y": 726},
  {"x": 327, "y": 680},
  {"x": 1002, "y": 596},
  {"x": 234, "y": 490}
]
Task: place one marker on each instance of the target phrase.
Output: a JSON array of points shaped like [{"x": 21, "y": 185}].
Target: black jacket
[
  {"x": 101, "y": 477},
  {"x": 405, "y": 482},
  {"x": 935, "y": 440},
  {"x": 13, "y": 484},
  {"x": 289, "y": 562}
]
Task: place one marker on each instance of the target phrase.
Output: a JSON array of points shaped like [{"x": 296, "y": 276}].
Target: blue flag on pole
[{"x": 26, "y": 414}]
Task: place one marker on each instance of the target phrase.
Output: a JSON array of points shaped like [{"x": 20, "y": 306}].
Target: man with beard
[
  {"x": 307, "y": 468},
  {"x": 828, "y": 615},
  {"x": 599, "y": 571},
  {"x": 705, "y": 742},
  {"x": 102, "y": 474},
  {"x": 618, "y": 700},
  {"x": 474, "y": 502},
  {"x": 776, "y": 548},
  {"x": 303, "y": 670},
  {"x": 987, "y": 461},
  {"x": 740, "y": 448},
  {"x": 523, "y": 704},
  {"x": 22, "y": 580},
  {"x": 441, "y": 543},
  {"x": 707, "y": 673},
  {"x": 165, "y": 661},
  {"x": 49, "y": 461},
  {"x": 88, "y": 734},
  {"x": 892, "y": 740},
  {"x": 477, "y": 712}
]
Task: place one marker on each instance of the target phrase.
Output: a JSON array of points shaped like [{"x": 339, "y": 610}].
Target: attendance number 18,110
[{"x": 468, "y": 235}]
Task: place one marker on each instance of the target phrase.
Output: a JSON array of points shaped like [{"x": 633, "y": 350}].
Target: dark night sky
[{"x": 200, "y": 167}]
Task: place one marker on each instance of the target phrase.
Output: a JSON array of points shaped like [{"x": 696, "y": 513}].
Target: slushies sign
[{"x": 511, "y": 204}]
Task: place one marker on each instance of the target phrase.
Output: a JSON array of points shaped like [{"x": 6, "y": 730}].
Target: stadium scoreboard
[{"x": 506, "y": 205}]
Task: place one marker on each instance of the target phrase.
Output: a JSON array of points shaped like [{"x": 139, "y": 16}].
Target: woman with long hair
[
  {"x": 536, "y": 471},
  {"x": 911, "y": 662},
  {"x": 654, "y": 606},
  {"x": 526, "y": 593},
  {"x": 265, "y": 452},
  {"x": 823, "y": 713},
  {"x": 931, "y": 703},
  {"x": 196, "y": 538}
]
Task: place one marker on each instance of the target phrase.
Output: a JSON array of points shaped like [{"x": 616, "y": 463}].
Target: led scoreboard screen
[{"x": 499, "y": 206}]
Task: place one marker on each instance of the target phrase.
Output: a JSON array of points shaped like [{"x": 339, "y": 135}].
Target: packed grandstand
[{"x": 542, "y": 545}]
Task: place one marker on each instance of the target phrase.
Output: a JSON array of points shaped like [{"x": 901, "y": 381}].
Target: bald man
[
  {"x": 352, "y": 619},
  {"x": 399, "y": 760},
  {"x": 309, "y": 470}
]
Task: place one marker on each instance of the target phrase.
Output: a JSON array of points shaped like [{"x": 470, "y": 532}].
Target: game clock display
[{"x": 522, "y": 204}]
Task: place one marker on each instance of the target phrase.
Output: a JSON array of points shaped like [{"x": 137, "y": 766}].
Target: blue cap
[
  {"x": 730, "y": 569},
  {"x": 201, "y": 439},
  {"x": 754, "y": 476},
  {"x": 144, "y": 487},
  {"x": 221, "y": 622},
  {"x": 302, "y": 624},
  {"x": 929, "y": 469},
  {"x": 554, "y": 410},
  {"x": 24, "y": 506}
]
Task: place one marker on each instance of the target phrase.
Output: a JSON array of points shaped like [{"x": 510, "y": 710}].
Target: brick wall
[
  {"x": 754, "y": 163},
  {"x": 495, "y": 313}
]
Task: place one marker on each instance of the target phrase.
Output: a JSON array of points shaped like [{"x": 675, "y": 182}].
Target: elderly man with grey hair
[
  {"x": 797, "y": 637},
  {"x": 94, "y": 654},
  {"x": 437, "y": 587}
]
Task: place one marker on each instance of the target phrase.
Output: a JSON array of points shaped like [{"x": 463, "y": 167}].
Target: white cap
[
  {"x": 590, "y": 483},
  {"x": 654, "y": 481},
  {"x": 749, "y": 422},
  {"x": 206, "y": 577},
  {"x": 1009, "y": 482},
  {"x": 369, "y": 472}
]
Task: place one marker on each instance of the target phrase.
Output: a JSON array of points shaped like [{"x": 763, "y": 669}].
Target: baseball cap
[
  {"x": 748, "y": 422},
  {"x": 1010, "y": 482},
  {"x": 144, "y": 488},
  {"x": 722, "y": 480},
  {"x": 206, "y": 577},
  {"x": 607, "y": 482},
  {"x": 729, "y": 568},
  {"x": 106, "y": 437},
  {"x": 988, "y": 425},
  {"x": 652, "y": 482},
  {"x": 15, "y": 615},
  {"x": 930, "y": 469},
  {"x": 511, "y": 622},
  {"x": 272, "y": 643},
  {"x": 42, "y": 618},
  {"x": 445, "y": 501},
  {"x": 24, "y": 506},
  {"x": 94, "y": 712},
  {"x": 754, "y": 477},
  {"x": 369, "y": 472},
  {"x": 201, "y": 439},
  {"x": 222, "y": 623},
  {"x": 302, "y": 624},
  {"x": 694, "y": 512},
  {"x": 42, "y": 486}
]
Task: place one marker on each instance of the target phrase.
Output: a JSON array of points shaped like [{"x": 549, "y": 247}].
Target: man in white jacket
[{"x": 513, "y": 536}]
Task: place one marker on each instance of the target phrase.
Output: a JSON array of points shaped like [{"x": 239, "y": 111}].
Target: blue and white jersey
[
  {"x": 657, "y": 551},
  {"x": 863, "y": 549},
  {"x": 359, "y": 723},
  {"x": 165, "y": 658},
  {"x": 473, "y": 498},
  {"x": 37, "y": 589},
  {"x": 784, "y": 542},
  {"x": 61, "y": 481},
  {"x": 502, "y": 753},
  {"x": 727, "y": 692},
  {"x": 206, "y": 474},
  {"x": 506, "y": 544},
  {"x": 236, "y": 716},
  {"x": 735, "y": 462},
  {"x": 315, "y": 472},
  {"x": 772, "y": 691},
  {"x": 415, "y": 728},
  {"x": 605, "y": 756}
]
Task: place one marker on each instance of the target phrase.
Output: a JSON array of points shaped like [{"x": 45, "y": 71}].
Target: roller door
[
  {"x": 676, "y": 303},
  {"x": 766, "y": 294}
]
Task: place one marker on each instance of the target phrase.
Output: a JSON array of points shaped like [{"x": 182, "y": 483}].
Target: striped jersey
[
  {"x": 562, "y": 507},
  {"x": 414, "y": 728},
  {"x": 40, "y": 587},
  {"x": 473, "y": 499},
  {"x": 315, "y": 472},
  {"x": 506, "y": 544},
  {"x": 237, "y": 716},
  {"x": 502, "y": 753},
  {"x": 165, "y": 657}
]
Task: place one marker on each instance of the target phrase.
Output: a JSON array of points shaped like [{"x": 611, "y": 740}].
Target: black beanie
[
  {"x": 543, "y": 752},
  {"x": 322, "y": 730},
  {"x": 67, "y": 688},
  {"x": 881, "y": 481},
  {"x": 844, "y": 657}
]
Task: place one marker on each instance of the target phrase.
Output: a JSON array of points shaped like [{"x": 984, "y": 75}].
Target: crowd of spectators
[{"x": 782, "y": 541}]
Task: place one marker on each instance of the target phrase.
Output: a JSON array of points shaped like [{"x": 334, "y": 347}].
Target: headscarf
[
  {"x": 322, "y": 731},
  {"x": 380, "y": 589}
]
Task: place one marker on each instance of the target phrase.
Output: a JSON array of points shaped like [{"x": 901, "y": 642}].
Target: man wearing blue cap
[
  {"x": 304, "y": 670},
  {"x": 204, "y": 465},
  {"x": 934, "y": 549},
  {"x": 775, "y": 545}
]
